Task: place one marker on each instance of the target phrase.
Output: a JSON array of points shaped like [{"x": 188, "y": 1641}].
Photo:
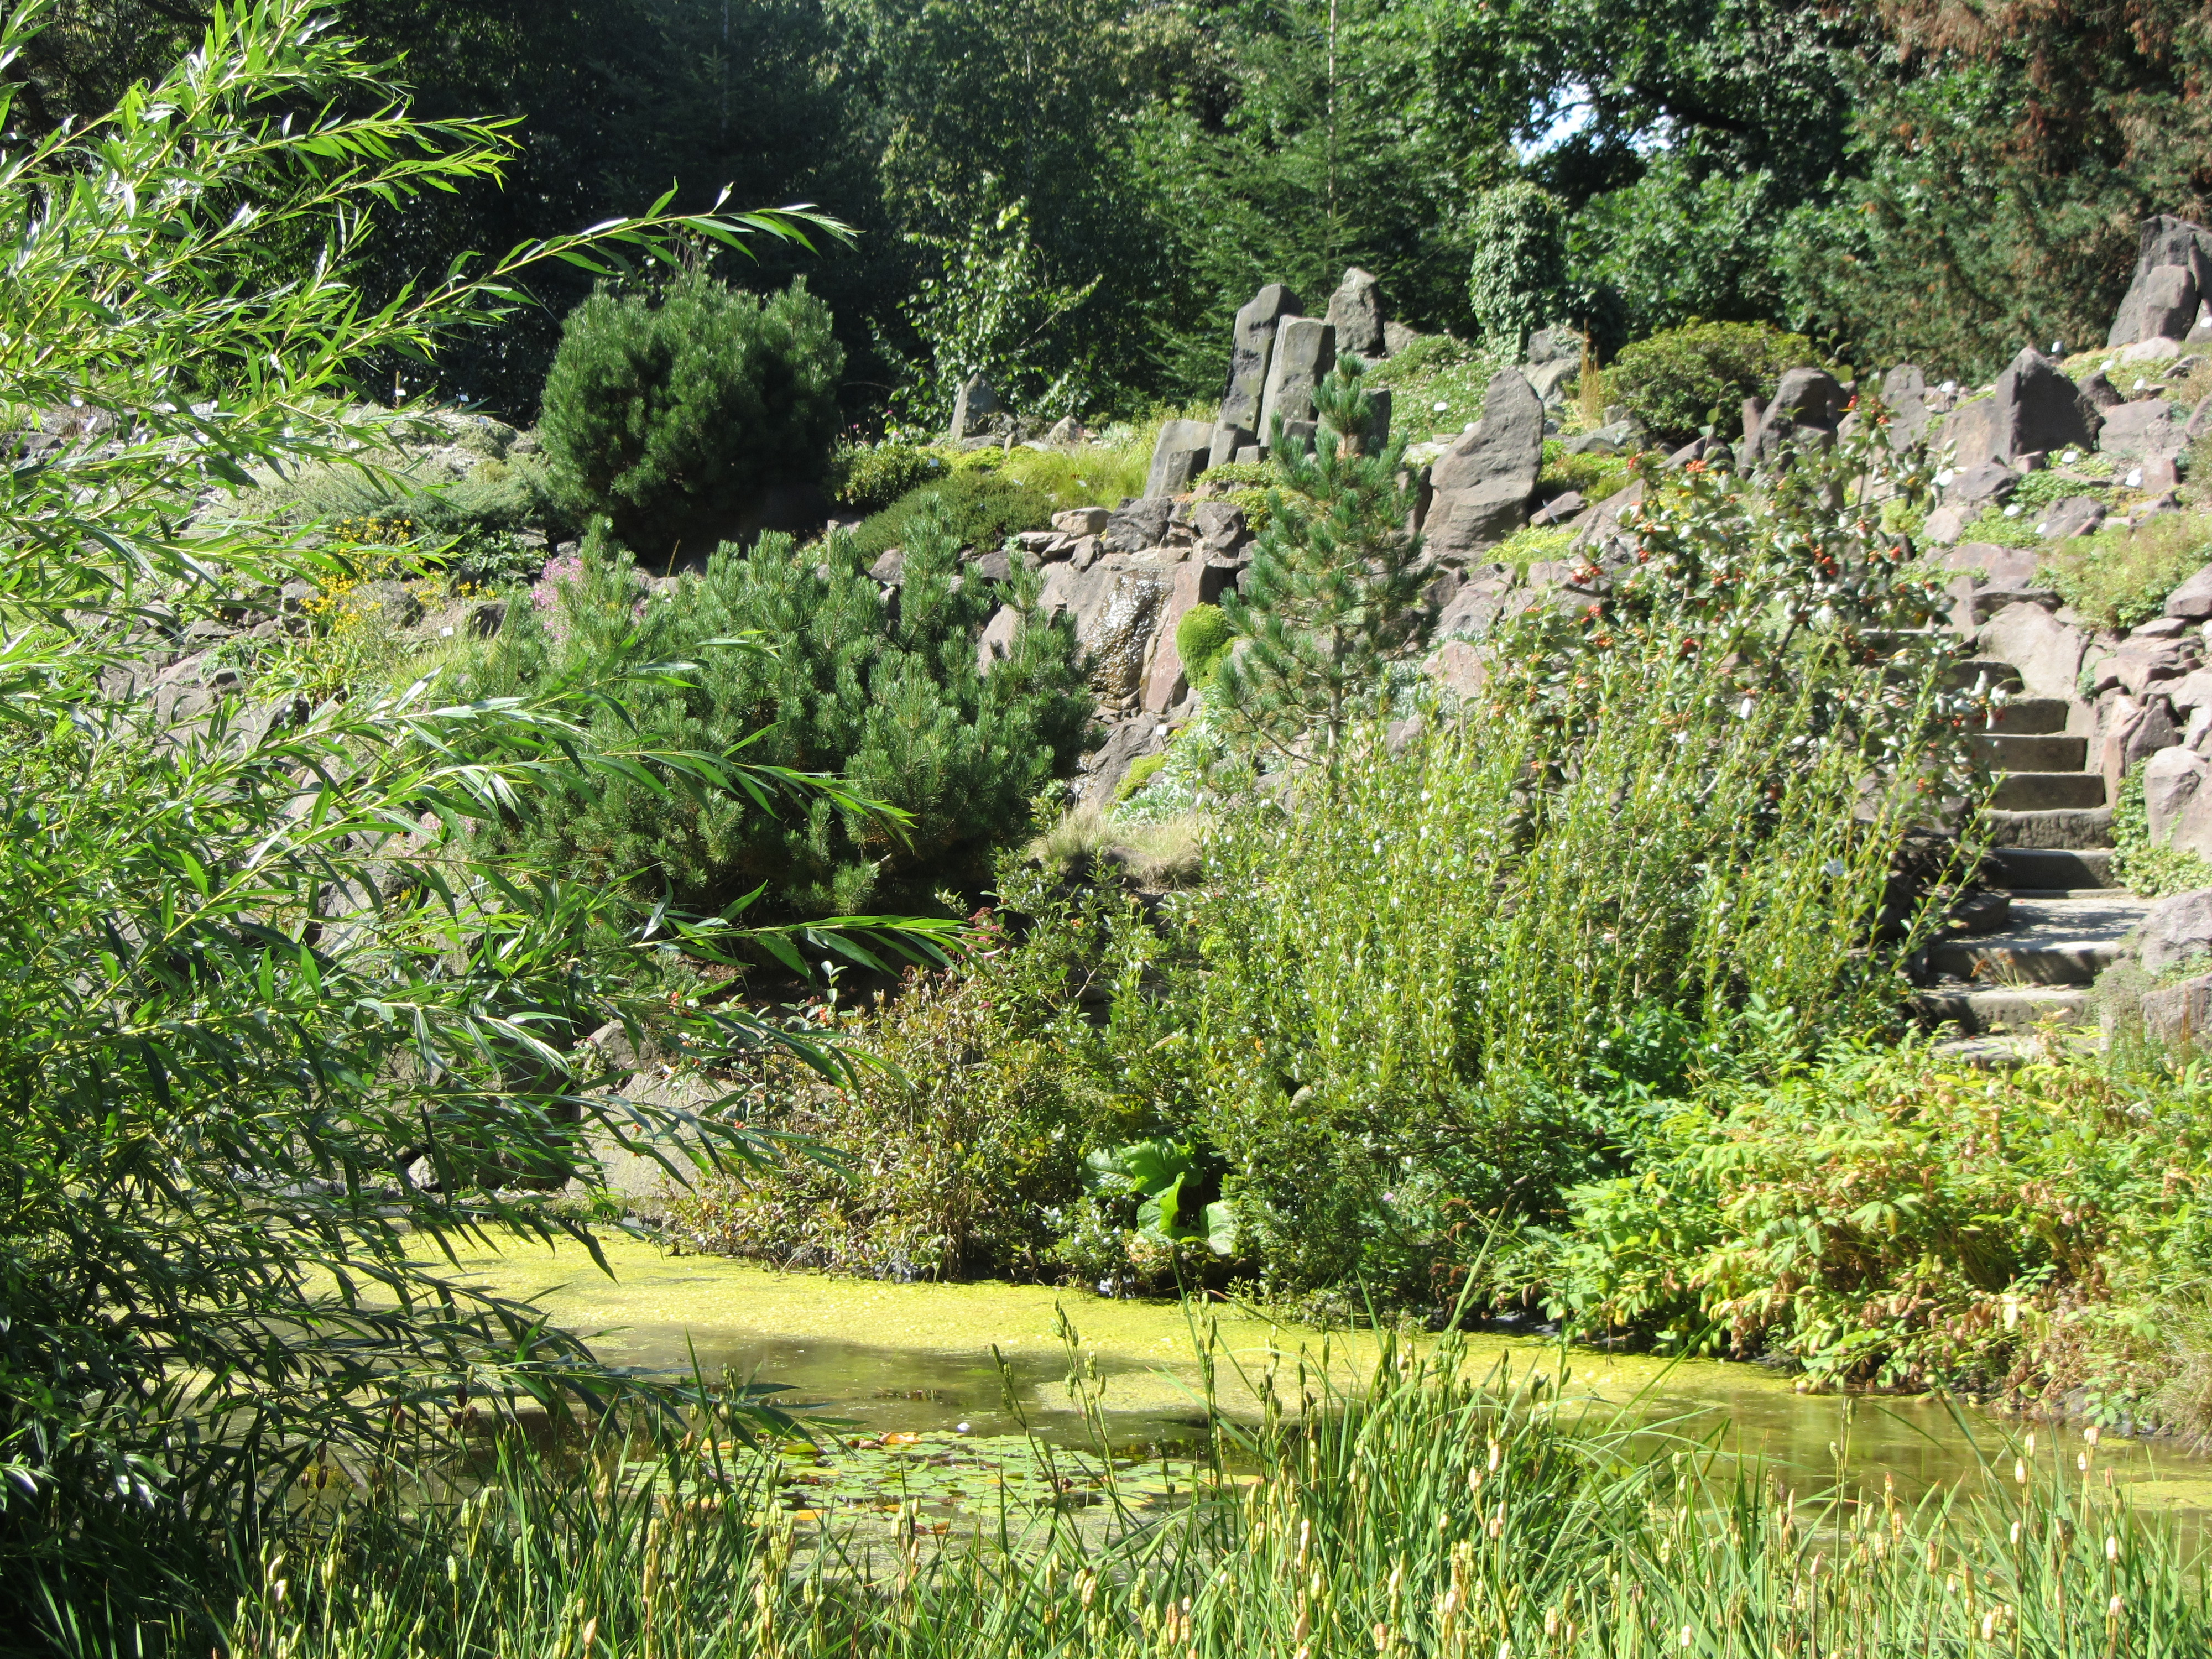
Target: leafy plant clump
[
  {"x": 1675, "y": 381},
  {"x": 1202, "y": 638},
  {"x": 869, "y": 478},
  {"x": 1884, "y": 1220},
  {"x": 671, "y": 412},
  {"x": 978, "y": 507},
  {"x": 2120, "y": 577},
  {"x": 799, "y": 646}
]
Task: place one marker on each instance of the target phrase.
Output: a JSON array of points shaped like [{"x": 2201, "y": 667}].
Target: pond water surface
[{"x": 919, "y": 1359}]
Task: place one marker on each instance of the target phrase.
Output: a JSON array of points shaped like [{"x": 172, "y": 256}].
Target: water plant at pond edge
[{"x": 1417, "y": 1511}]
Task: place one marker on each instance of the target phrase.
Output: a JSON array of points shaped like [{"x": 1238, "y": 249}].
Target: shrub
[
  {"x": 977, "y": 507},
  {"x": 1519, "y": 274},
  {"x": 2120, "y": 577},
  {"x": 1202, "y": 637},
  {"x": 884, "y": 694},
  {"x": 1404, "y": 984},
  {"x": 671, "y": 412},
  {"x": 871, "y": 477},
  {"x": 1595, "y": 476},
  {"x": 1675, "y": 381},
  {"x": 1887, "y": 1219},
  {"x": 963, "y": 1152}
]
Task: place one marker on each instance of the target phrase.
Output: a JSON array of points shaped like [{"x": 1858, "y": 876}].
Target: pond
[{"x": 918, "y": 1359}]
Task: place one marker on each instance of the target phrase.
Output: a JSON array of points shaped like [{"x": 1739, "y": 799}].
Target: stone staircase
[{"x": 2064, "y": 923}]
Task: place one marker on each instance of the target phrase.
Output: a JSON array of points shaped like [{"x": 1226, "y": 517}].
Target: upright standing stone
[
  {"x": 1904, "y": 395},
  {"x": 1483, "y": 482},
  {"x": 1305, "y": 351},
  {"x": 1252, "y": 346},
  {"x": 1355, "y": 312},
  {"x": 1179, "y": 457},
  {"x": 973, "y": 408},
  {"x": 2174, "y": 275},
  {"x": 2034, "y": 408}
]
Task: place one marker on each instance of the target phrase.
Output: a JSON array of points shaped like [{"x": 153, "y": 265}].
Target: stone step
[
  {"x": 2010, "y": 962},
  {"x": 2048, "y": 866},
  {"x": 2025, "y": 717},
  {"x": 2007, "y": 753},
  {"x": 2007, "y": 1008},
  {"x": 1985, "y": 670},
  {"x": 2047, "y": 792},
  {"x": 2060, "y": 827}
]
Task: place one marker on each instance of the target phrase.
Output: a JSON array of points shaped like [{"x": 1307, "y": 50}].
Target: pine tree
[{"x": 1335, "y": 589}]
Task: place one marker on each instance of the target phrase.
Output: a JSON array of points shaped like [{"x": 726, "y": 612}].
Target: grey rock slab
[
  {"x": 2046, "y": 651},
  {"x": 2163, "y": 243},
  {"x": 2072, "y": 869},
  {"x": 1904, "y": 395},
  {"x": 1228, "y": 442},
  {"x": 1807, "y": 406},
  {"x": 2176, "y": 930},
  {"x": 2172, "y": 780},
  {"x": 1304, "y": 352},
  {"x": 2062, "y": 827},
  {"x": 2033, "y": 408},
  {"x": 2072, "y": 515},
  {"x": 972, "y": 406},
  {"x": 2021, "y": 1009},
  {"x": 2179, "y": 1016},
  {"x": 2031, "y": 716},
  {"x": 1991, "y": 483},
  {"x": 1397, "y": 336},
  {"x": 2192, "y": 600},
  {"x": 2149, "y": 425},
  {"x": 1082, "y": 521},
  {"x": 2041, "y": 753},
  {"x": 1221, "y": 525},
  {"x": 1179, "y": 455},
  {"x": 1355, "y": 312},
  {"x": 1135, "y": 526},
  {"x": 1252, "y": 346},
  {"x": 1483, "y": 482}
]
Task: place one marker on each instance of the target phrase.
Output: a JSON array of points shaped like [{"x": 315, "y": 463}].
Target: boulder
[
  {"x": 972, "y": 409},
  {"x": 996, "y": 643},
  {"x": 2133, "y": 732},
  {"x": 2171, "y": 779},
  {"x": 2047, "y": 652},
  {"x": 2151, "y": 351},
  {"x": 1135, "y": 525},
  {"x": 2033, "y": 408},
  {"x": 2148, "y": 310},
  {"x": 1116, "y": 607},
  {"x": 2099, "y": 391},
  {"x": 1550, "y": 379},
  {"x": 2174, "y": 930},
  {"x": 1458, "y": 668},
  {"x": 1355, "y": 312},
  {"x": 1221, "y": 529},
  {"x": 2150, "y": 427},
  {"x": 1196, "y": 583},
  {"x": 1304, "y": 352},
  {"x": 1178, "y": 457},
  {"x": 1555, "y": 345},
  {"x": 1252, "y": 346},
  {"x": 2192, "y": 691},
  {"x": 1558, "y": 509},
  {"x": 1904, "y": 395},
  {"x": 2176, "y": 1015},
  {"x": 1081, "y": 521},
  {"x": 1944, "y": 526},
  {"x": 1066, "y": 433},
  {"x": 2192, "y": 600},
  {"x": 889, "y": 567},
  {"x": 1396, "y": 336},
  {"x": 2071, "y": 515},
  {"x": 1804, "y": 412},
  {"x": 1230, "y": 442},
  {"x": 1615, "y": 439},
  {"x": 1990, "y": 484},
  {"x": 1998, "y": 566},
  {"x": 1483, "y": 482}
]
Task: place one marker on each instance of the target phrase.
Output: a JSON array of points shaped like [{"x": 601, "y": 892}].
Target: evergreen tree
[{"x": 1335, "y": 585}]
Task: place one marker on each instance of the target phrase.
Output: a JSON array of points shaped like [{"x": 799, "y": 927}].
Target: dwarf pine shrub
[
  {"x": 670, "y": 412},
  {"x": 1674, "y": 381},
  {"x": 801, "y": 645}
]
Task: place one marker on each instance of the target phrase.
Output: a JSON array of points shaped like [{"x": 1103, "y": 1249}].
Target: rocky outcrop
[
  {"x": 1482, "y": 486},
  {"x": 2033, "y": 410},
  {"x": 1305, "y": 351},
  {"x": 2173, "y": 277},
  {"x": 1355, "y": 312},
  {"x": 1180, "y": 456},
  {"x": 1252, "y": 349}
]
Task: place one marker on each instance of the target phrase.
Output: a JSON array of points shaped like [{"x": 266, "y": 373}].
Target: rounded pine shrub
[
  {"x": 671, "y": 412},
  {"x": 871, "y": 478},
  {"x": 883, "y": 694},
  {"x": 1673, "y": 382}
]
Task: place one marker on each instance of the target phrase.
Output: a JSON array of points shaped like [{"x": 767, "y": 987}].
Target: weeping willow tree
[{"x": 274, "y": 1042}]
